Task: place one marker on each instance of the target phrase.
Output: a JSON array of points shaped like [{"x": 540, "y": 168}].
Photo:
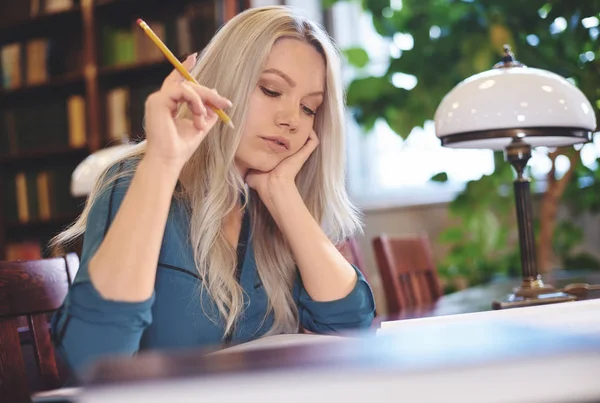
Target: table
[
  {"x": 479, "y": 298},
  {"x": 487, "y": 361}
]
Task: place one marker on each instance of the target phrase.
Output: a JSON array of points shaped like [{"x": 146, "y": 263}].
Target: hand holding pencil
[
  {"x": 179, "y": 67},
  {"x": 172, "y": 141}
]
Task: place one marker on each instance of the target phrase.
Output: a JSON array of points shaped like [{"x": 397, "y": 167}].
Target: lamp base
[{"x": 532, "y": 292}]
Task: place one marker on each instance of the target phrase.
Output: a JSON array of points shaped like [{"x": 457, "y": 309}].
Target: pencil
[{"x": 179, "y": 67}]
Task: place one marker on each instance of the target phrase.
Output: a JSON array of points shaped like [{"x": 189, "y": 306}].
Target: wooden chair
[
  {"x": 408, "y": 273},
  {"x": 32, "y": 289}
]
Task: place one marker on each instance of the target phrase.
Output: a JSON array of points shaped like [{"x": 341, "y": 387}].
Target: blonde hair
[{"x": 211, "y": 185}]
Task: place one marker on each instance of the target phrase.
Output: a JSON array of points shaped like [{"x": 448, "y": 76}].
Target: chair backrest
[
  {"x": 32, "y": 289},
  {"x": 407, "y": 271},
  {"x": 351, "y": 251}
]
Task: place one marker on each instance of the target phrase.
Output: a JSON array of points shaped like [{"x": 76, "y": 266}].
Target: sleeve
[
  {"x": 355, "y": 311},
  {"x": 87, "y": 326}
]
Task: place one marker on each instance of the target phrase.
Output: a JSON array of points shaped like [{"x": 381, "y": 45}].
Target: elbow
[{"x": 356, "y": 312}]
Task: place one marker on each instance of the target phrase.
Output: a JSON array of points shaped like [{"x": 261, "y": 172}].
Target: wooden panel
[
  {"x": 44, "y": 351},
  {"x": 32, "y": 287},
  {"x": 13, "y": 379}
]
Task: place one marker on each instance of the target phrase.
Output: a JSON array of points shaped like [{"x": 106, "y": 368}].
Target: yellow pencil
[{"x": 177, "y": 64}]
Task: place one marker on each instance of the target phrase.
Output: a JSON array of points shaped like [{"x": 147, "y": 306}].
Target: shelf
[
  {"x": 154, "y": 71},
  {"x": 41, "y": 25},
  {"x": 18, "y": 231},
  {"x": 33, "y": 159},
  {"x": 53, "y": 84},
  {"x": 104, "y": 3},
  {"x": 134, "y": 5}
]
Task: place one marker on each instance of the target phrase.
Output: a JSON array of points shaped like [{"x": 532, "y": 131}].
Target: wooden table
[{"x": 479, "y": 298}]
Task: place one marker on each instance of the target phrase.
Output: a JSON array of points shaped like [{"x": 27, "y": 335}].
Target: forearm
[
  {"x": 326, "y": 274},
  {"x": 124, "y": 267}
]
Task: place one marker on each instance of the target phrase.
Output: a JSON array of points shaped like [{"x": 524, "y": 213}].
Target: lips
[{"x": 277, "y": 143}]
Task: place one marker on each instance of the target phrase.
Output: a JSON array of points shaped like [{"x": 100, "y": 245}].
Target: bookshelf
[{"x": 74, "y": 77}]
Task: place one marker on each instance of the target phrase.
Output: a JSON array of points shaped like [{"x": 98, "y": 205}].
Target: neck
[{"x": 243, "y": 170}]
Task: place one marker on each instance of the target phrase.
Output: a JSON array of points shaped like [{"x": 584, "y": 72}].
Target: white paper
[
  {"x": 281, "y": 340},
  {"x": 580, "y": 317}
]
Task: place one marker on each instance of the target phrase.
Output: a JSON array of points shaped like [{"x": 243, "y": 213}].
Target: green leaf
[
  {"x": 329, "y": 3},
  {"x": 400, "y": 121},
  {"x": 451, "y": 235},
  {"x": 440, "y": 177},
  {"x": 357, "y": 57},
  {"x": 367, "y": 90}
]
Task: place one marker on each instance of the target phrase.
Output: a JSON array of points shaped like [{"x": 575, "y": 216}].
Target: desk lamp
[{"x": 513, "y": 108}]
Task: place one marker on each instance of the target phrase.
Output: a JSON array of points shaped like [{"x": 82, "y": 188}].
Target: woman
[{"x": 208, "y": 235}]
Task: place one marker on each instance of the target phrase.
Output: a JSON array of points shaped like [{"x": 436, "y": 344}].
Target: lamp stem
[
  {"x": 518, "y": 154},
  {"x": 525, "y": 222},
  {"x": 532, "y": 291}
]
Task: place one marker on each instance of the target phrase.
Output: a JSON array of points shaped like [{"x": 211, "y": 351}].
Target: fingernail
[{"x": 195, "y": 54}]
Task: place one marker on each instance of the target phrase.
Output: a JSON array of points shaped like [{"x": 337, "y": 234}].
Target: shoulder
[
  {"x": 117, "y": 177},
  {"x": 109, "y": 192}
]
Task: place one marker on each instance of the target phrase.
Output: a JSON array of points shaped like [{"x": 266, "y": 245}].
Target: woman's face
[{"x": 282, "y": 107}]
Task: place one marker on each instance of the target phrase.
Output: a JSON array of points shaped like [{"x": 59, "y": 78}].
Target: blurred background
[{"x": 75, "y": 74}]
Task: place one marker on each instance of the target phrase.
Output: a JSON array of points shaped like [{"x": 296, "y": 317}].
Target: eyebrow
[{"x": 288, "y": 79}]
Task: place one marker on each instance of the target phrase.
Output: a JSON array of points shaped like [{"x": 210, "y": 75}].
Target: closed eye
[
  {"x": 275, "y": 94},
  {"x": 308, "y": 111},
  {"x": 269, "y": 93}
]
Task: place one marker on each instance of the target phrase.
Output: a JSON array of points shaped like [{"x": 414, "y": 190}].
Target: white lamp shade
[
  {"x": 514, "y": 98},
  {"x": 87, "y": 172}
]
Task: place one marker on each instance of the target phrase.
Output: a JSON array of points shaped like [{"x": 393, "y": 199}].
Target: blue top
[{"x": 88, "y": 327}]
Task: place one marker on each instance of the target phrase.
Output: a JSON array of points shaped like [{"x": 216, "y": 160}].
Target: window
[{"x": 384, "y": 169}]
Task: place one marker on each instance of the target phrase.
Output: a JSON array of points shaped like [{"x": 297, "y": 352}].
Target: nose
[{"x": 288, "y": 118}]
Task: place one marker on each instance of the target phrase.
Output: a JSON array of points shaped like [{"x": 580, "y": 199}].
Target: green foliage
[
  {"x": 440, "y": 177},
  {"x": 581, "y": 196},
  {"x": 454, "y": 39},
  {"x": 482, "y": 243},
  {"x": 583, "y": 192},
  {"x": 357, "y": 57},
  {"x": 469, "y": 40}
]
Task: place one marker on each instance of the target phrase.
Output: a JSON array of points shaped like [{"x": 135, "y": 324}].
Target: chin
[
  {"x": 266, "y": 165},
  {"x": 263, "y": 162}
]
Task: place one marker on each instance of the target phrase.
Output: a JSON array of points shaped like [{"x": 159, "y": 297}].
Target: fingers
[
  {"x": 172, "y": 95},
  {"x": 212, "y": 97},
  {"x": 311, "y": 144},
  {"x": 175, "y": 77},
  {"x": 309, "y": 147},
  {"x": 298, "y": 159}
]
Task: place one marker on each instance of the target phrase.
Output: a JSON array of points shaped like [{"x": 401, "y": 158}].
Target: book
[{"x": 281, "y": 340}]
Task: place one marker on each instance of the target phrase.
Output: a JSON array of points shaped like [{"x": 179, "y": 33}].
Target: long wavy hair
[{"x": 211, "y": 185}]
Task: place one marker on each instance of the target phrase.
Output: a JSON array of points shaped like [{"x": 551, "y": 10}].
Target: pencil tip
[{"x": 230, "y": 124}]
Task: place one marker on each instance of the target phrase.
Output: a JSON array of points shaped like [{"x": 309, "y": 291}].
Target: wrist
[
  {"x": 279, "y": 195},
  {"x": 159, "y": 170},
  {"x": 172, "y": 166}
]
